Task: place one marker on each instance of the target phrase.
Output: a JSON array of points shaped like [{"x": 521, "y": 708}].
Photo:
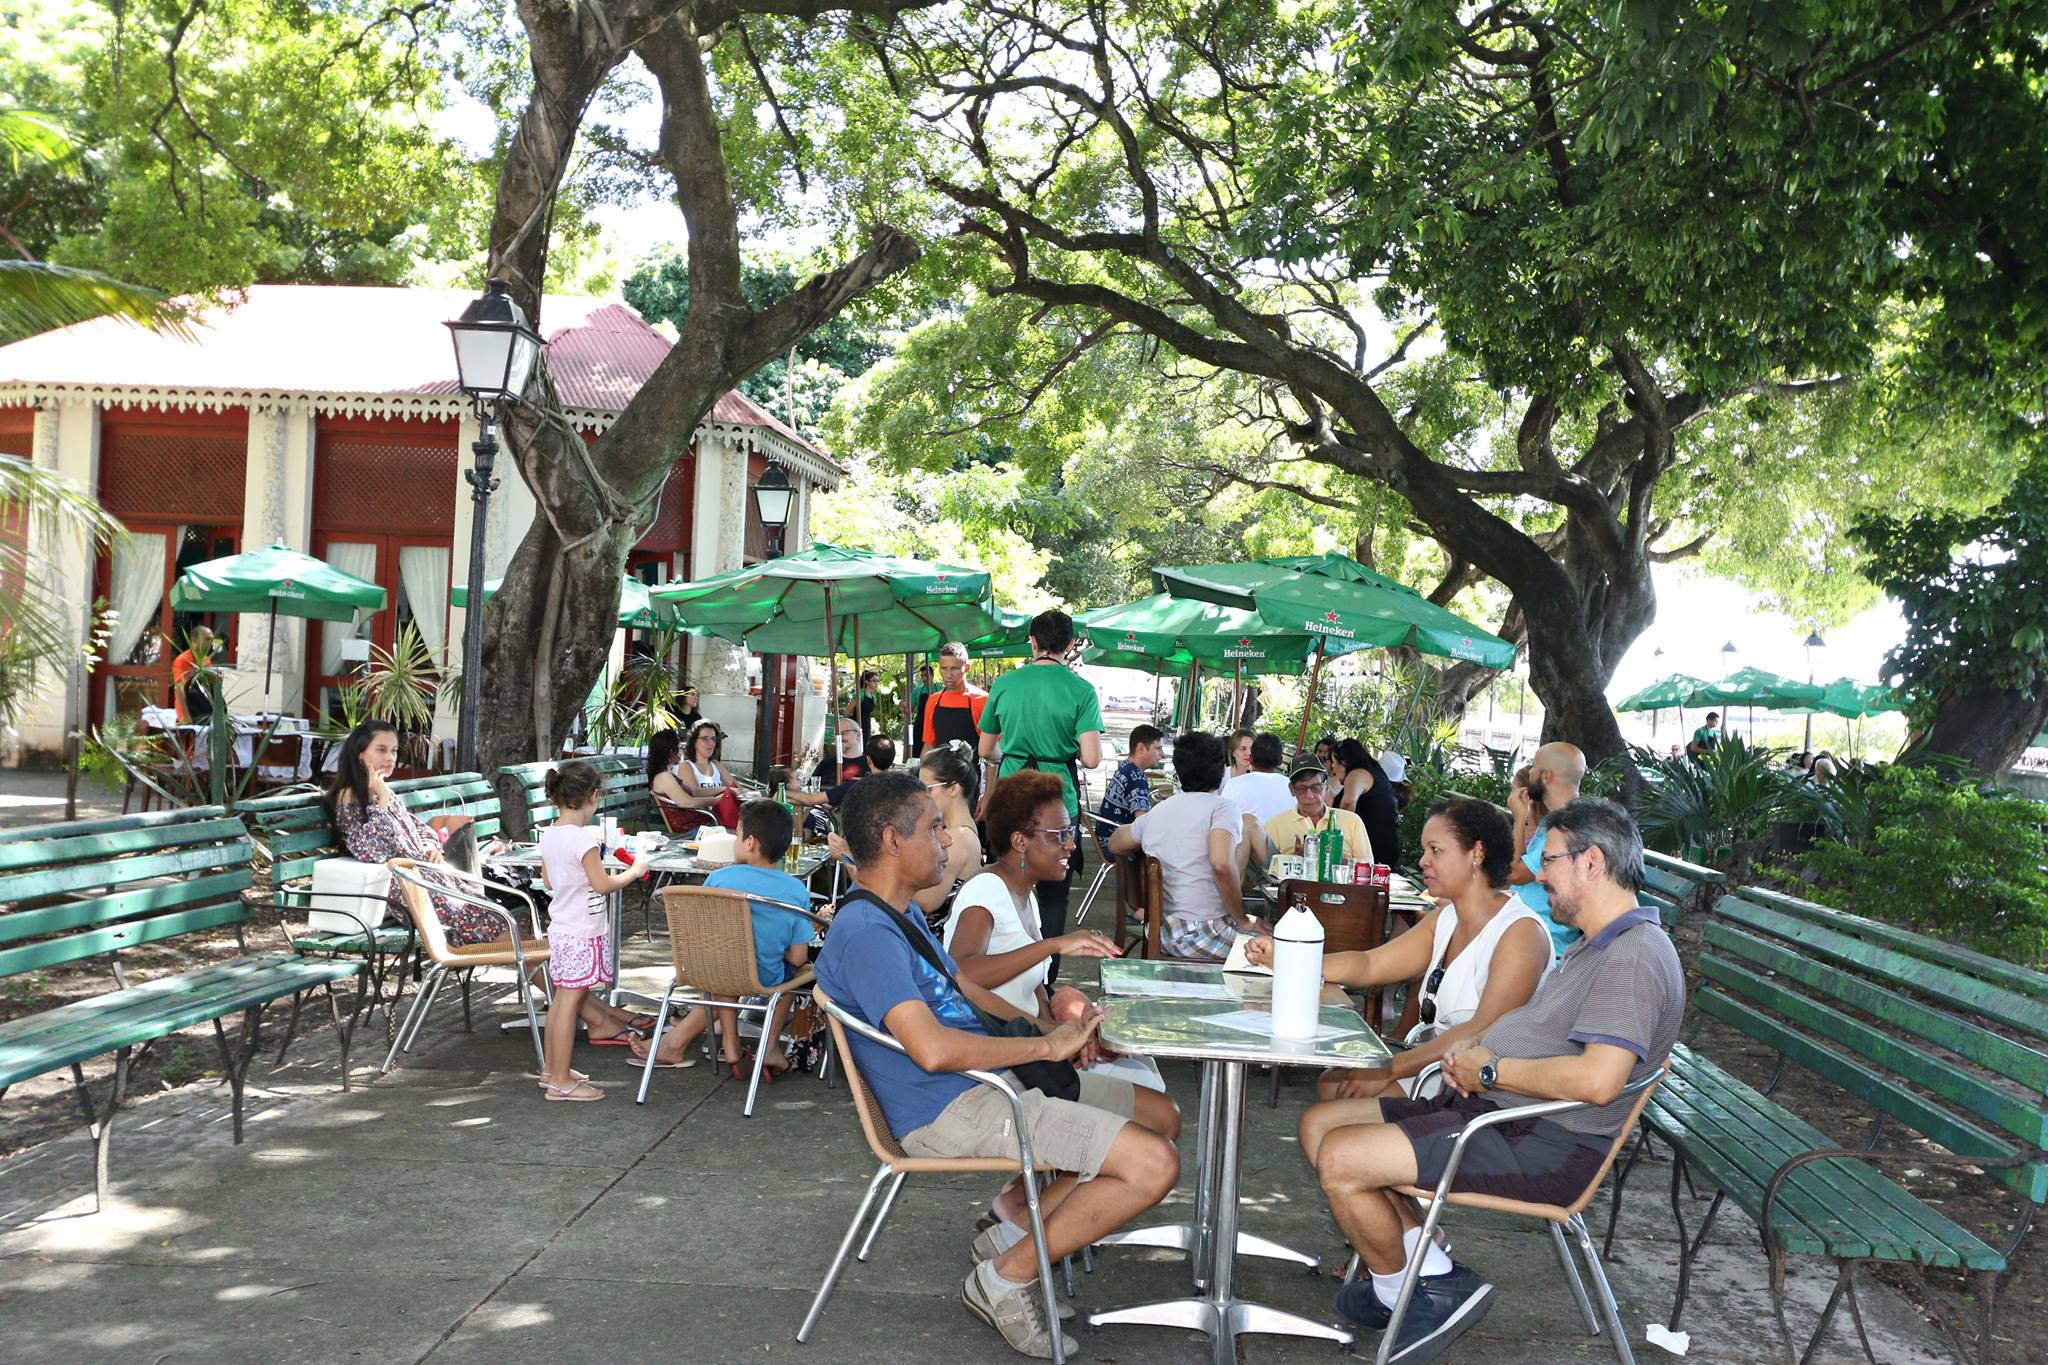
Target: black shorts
[{"x": 1533, "y": 1160}]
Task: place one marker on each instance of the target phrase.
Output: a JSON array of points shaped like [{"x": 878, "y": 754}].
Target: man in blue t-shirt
[
  {"x": 783, "y": 930},
  {"x": 1555, "y": 772},
  {"x": 882, "y": 965}
]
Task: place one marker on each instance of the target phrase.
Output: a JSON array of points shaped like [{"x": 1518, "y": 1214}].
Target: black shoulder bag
[{"x": 1057, "y": 1079}]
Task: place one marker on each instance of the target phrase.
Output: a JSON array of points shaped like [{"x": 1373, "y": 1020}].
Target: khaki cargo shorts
[{"x": 1066, "y": 1135}]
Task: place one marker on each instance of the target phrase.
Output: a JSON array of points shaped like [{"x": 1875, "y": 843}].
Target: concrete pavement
[{"x": 446, "y": 1213}]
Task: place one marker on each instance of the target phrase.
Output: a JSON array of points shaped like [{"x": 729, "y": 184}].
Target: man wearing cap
[{"x": 1313, "y": 813}]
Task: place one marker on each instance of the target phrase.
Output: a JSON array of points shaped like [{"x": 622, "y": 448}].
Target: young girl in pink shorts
[{"x": 579, "y": 933}]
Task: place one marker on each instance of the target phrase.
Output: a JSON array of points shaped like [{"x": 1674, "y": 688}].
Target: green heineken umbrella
[
  {"x": 1852, "y": 700},
  {"x": 826, "y": 600},
  {"x": 1340, "y": 600},
  {"x": 637, "y": 611},
  {"x": 1756, "y": 687},
  {"x": 275, "y": 580},
  {"x": 1011, "y": 639},
  {"x": 1663, "y": 694},
  {"x": 1172, "y": 627}
]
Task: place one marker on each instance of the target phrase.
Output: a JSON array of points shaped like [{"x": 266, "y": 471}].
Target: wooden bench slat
[
  {"x": 1929, "y": 978},
  {"x": 59, "y": 850},
  {"x": 1978, "y": 1098},
  {"x": 1676, "y": 866},
  {"x": 2011, "y": 976},
  {"x": 87, "y": 1028},
  {"x": 1956, "y": 1134},
  {"x": 218, "y": 887},
  {"x": 29, "y": 887},
  {"x": 1995, "y": 1052},
  {"x": 1836, "y": 1208},
  {"x": 74, "y": 947}
]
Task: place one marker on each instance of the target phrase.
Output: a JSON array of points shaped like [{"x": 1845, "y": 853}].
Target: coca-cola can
[{"x": 1382, "y": 874}]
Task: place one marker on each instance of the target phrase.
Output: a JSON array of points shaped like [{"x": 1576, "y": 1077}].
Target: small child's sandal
[{"x": 583, "y": 1092}]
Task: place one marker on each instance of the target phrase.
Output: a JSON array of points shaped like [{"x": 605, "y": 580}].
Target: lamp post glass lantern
[
  {"x": 772, "y": 498},
  {"x": 495, "y": 352}
]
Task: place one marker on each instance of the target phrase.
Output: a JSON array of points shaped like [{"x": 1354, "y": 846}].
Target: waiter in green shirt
[{"x": 1045, "y": 716}]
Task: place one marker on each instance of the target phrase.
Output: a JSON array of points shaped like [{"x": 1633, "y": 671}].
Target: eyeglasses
[
  {"x": 1427, "y": 1011},
  {"x": 1065, "y": 834},
  {"x": 1547, "y": 859},
  {"x": 936, "y": 786}
]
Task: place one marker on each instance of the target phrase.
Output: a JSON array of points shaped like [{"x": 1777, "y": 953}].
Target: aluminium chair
[
  {"x": 897, "y": 1165},
  {"x": 525, "y": 953},
  {"x": 1561, "y": 1217},
  {"x": 711, "y": 935}
]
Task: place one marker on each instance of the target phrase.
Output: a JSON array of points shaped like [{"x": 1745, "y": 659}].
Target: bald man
[{"x": 1555, "y": 773}]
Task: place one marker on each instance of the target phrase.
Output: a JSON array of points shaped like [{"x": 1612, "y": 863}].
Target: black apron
[{"x": 954, "y": 722}]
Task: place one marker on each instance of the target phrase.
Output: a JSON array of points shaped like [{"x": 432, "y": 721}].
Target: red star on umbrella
[{"x": 1330, "y": 616}]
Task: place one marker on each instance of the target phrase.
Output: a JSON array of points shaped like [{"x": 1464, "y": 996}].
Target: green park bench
[
  {"x": 1945, "y": 1042},
  {"x": 74, "y": 892},
  {"x": 293, "y": 833},
  {"x": 522, "y": 788},
  {"x": 1673, "y": 884}
]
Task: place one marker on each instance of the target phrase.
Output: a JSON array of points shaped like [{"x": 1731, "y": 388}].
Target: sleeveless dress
[{"x": 1457, "y": 996}]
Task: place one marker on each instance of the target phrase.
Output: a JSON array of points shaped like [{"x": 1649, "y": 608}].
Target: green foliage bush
[{"x": 1940, "y": 857}]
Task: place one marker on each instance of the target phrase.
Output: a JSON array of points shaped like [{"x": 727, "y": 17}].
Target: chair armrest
[
  {"x": 1916, "y": 1158},
  {"x": 479, "y": 902},
  {"x": 1528, "y": 1111},
  {"x": 478, "y": 879},
  {"x": 993, "y": 1080}
]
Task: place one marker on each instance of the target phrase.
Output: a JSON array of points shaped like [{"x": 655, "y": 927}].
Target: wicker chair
[
  {"x": 1561, "y": 1217},
  {"x": 518, "y": 950},
  {"x": 896, "y": 1165},
  {"x": 711, "y": 934}
]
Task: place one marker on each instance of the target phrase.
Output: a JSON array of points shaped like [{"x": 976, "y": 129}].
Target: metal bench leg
[
  {"x": 101, "y": 1129},
  {"x": 881, "y": 1216},
  {"x": 1578, "y": 1283},
  {"x": 1688, "y": 1247},
  {"x": 467, "y": 1025},
  {"x": 291, "y": 1030},
  {"x": 1845, "y": 1286},
  {"x": 236, "y": 1060},
  {"x": 345, "y": 1028},
  {"x": 832, "y": 1272},
  {"x": 1606, "y": 1291}
]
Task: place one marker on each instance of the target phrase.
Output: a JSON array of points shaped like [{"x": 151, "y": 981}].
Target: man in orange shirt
[
  {"x": 198, "y": 651},
  {"x": 954, "y": 711}
]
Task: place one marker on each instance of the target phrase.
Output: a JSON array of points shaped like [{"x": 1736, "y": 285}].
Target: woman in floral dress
[{"x": 376, "y": 827}]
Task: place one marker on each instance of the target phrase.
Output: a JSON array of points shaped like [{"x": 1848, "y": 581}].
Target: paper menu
[
  {"x": 1261, "y": 1022},
  {"x": 1238, "y": 962}
]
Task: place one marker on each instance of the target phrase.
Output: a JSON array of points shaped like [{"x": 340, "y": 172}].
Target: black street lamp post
[
  {"x": 495, "y": 352},
  {"x": 1813, "y": 642},
  {"x": 773, "y": 497}
]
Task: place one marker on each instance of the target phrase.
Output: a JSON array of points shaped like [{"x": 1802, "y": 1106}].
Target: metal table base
[{"x": 1214, "y": 1240}]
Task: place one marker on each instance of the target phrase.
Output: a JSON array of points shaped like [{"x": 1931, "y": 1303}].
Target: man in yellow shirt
[{"x": 1313, "y": 813}]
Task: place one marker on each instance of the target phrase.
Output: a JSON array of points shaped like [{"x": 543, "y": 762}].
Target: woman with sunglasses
[
  {"x": 1479, "y": 954},
  {"x": 995, "y": 934}
]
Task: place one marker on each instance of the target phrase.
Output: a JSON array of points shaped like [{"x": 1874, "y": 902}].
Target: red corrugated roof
[{"x": 320, "y": 339}]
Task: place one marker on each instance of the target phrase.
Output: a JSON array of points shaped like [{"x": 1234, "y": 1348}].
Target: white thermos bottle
[{"x": 1297, "y": 972}]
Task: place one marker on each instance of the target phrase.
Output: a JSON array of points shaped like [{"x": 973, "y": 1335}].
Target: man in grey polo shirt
[{"x": 1607, "y": 1016}]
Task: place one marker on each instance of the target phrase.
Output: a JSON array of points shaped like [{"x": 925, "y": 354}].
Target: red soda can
[
  {"x": 1362, "y": 874},
  {"x": 1382, "y": 874}
]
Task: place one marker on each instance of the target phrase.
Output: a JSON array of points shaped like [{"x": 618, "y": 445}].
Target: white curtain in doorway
[
  {"x": 136, "y": 592},
  {"x": 360, "y": 560},
  {"x": 423, "y": 574}
]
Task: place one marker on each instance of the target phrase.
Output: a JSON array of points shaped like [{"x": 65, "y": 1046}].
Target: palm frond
[
  {"x": 36, "y": 296},
  {"x": 30, "y": 139}
]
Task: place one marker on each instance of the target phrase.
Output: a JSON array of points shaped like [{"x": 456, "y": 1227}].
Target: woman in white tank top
[
  {"x": 1478, "y": 955},
  {"x": 702, "y": 776}
]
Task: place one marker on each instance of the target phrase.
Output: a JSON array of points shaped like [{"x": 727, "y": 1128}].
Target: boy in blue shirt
[{"x": 783, "y": 931}]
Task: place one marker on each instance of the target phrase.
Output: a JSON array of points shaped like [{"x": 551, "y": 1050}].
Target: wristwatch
[{"x": 1487, "y": 1075}]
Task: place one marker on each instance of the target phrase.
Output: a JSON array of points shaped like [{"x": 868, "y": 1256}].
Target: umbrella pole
[
  {"x": 1236, "y": 691},
  {"x": 1308, "y": 702},
  {"x": 832, "y": 687},
  {"x": 271, "y": 657},
  {"x": 909, "y": 721},
  {"x": 1155, "y": 692}
]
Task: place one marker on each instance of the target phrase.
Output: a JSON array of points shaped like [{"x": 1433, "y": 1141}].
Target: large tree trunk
[
  {"x": 548, "y": 631},
  {"x": 1986, "y": 728}
]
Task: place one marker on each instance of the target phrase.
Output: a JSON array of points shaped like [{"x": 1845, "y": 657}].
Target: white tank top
[
  {"x": 1457, "y": 998},
  {"x": 702, "y": 778}
]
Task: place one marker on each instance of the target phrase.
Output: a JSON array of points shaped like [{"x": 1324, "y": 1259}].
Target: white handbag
[{"x": 348, "y": 896}]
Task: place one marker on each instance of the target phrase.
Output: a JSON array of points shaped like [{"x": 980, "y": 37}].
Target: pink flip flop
[{"x": 583, "y": 1092}]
